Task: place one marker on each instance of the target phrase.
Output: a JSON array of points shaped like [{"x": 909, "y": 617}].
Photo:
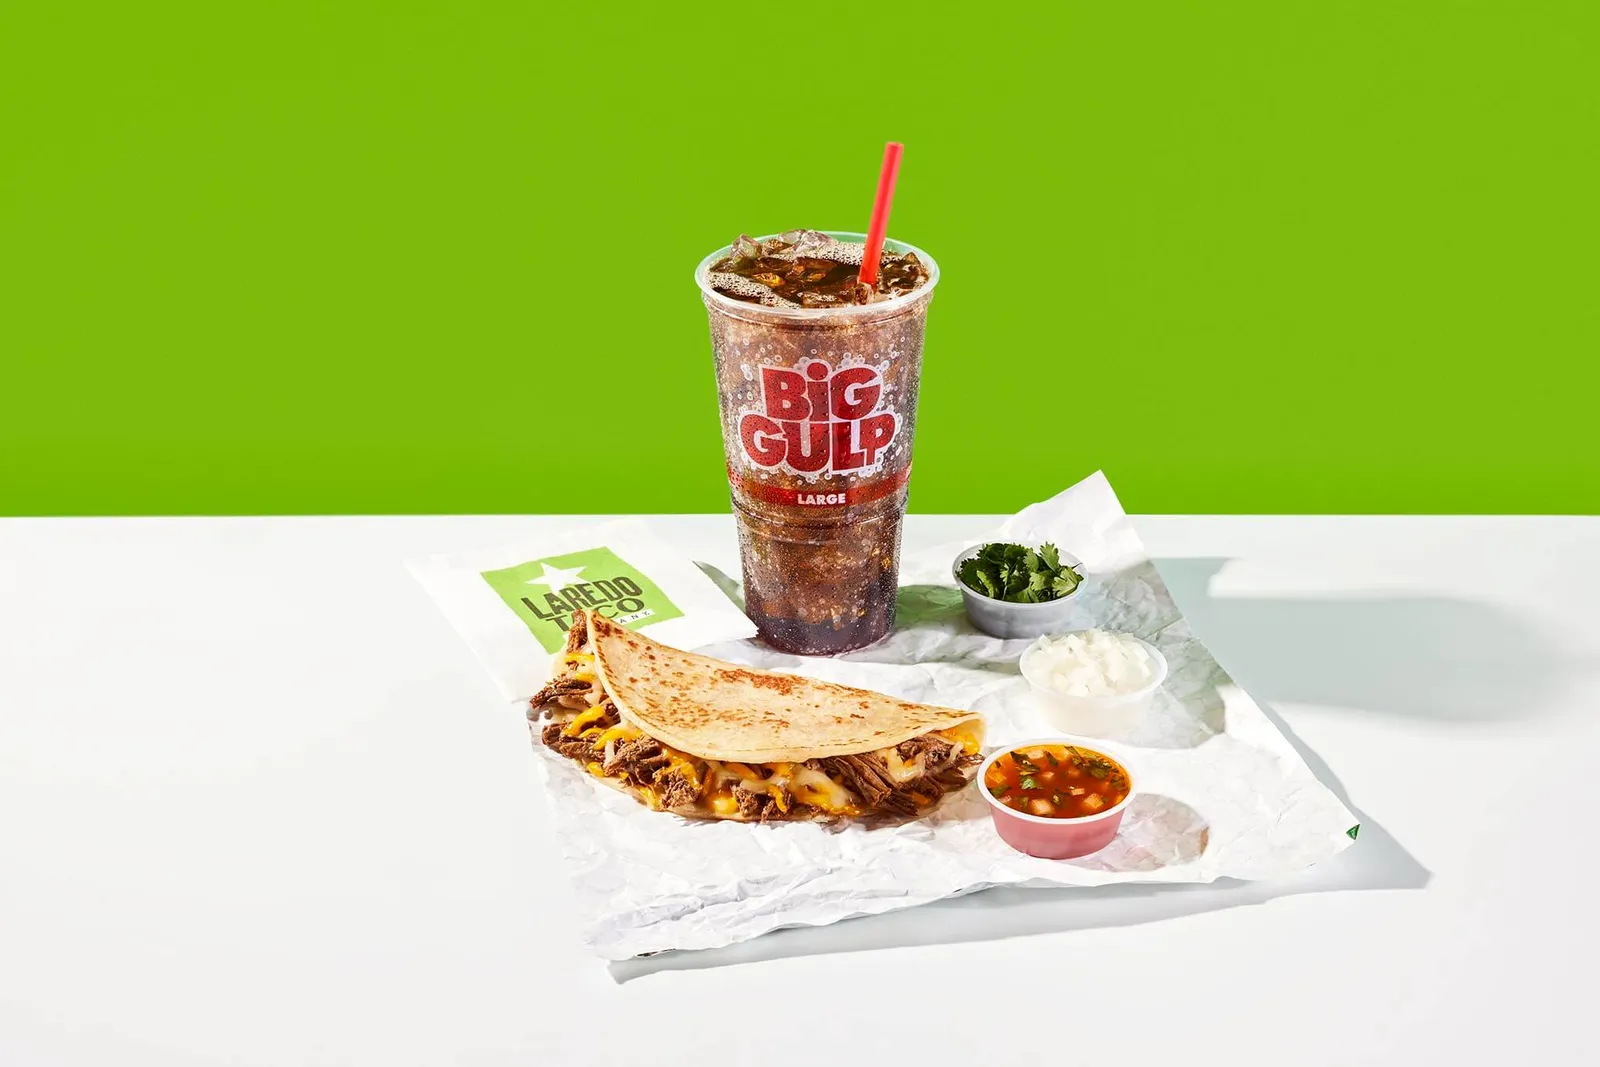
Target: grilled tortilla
[{"x": 709, "y": 739}]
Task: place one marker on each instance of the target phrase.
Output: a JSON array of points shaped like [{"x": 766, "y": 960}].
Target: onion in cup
[{"x": 1055, "y": 798}]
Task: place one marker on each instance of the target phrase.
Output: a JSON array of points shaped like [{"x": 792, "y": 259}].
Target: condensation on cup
[{"x": 817, "y": 381}]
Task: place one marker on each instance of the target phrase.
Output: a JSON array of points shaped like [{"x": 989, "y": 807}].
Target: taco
[{"x": 708, "y": 739}]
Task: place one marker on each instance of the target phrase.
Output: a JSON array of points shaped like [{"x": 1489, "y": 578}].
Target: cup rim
[
  {"x": 703, "y": 270},
  {"x": 971, "y": 550},
  {"x": 1093, "y": 745},
  {"x": 1147, "y": 689}
]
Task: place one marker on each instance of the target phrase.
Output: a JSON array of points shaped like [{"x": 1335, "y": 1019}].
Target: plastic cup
[
  {"x": 1094, "y": 716},
  {"x": 1057, "y": 839},
  {"x": 818, "y": 411}
]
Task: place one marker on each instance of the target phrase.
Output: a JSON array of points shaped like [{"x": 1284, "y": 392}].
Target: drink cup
[{"x": 819, "y": 408}]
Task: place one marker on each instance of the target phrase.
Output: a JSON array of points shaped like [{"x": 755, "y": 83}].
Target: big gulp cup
[{"x": 819, "y": 409}]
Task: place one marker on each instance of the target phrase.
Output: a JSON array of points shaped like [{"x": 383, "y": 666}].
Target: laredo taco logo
[
  {"x": 817, "y": 420},
  {"x": 545, "y": 592}
]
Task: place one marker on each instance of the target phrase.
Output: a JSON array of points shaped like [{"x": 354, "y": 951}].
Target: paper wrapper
[{"x": 1221, "y": 792}]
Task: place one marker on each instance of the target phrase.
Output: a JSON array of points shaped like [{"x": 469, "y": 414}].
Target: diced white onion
[{"x": 1094, "y": 663}]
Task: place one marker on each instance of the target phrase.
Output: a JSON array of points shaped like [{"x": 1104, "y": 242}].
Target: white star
[{"x": 556, "y": 578}]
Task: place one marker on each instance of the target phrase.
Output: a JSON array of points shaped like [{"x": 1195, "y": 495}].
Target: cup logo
[{"x": 817, "y": 420}]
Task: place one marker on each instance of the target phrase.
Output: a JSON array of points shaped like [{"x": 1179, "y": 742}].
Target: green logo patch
[{"x": 545, "y": 592}]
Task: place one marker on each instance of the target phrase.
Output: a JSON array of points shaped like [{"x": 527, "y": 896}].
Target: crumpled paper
[{"x": 1221, "y": 792}]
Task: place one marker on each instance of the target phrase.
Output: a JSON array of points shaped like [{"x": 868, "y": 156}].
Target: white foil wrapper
[{"x": 1221, "y": 792}]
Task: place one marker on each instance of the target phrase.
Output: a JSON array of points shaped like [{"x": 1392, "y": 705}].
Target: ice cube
[
  {"x": 807, "y": 242},
  {"x": 744, "y": 248}
]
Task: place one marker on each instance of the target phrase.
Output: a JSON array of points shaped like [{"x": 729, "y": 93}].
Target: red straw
[{"x": 880, "y": 212}]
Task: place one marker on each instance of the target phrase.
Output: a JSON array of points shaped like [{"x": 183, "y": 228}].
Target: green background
[{"x": 390, "y": 257}]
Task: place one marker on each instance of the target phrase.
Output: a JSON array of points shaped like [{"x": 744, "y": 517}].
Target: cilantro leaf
[{"x": 976, "y": 576}]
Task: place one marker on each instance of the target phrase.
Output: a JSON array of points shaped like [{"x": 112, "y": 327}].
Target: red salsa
[{"x": 1057, "y": 781}]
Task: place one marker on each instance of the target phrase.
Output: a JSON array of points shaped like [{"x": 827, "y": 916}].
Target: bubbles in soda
[{"x": 806, "y": 268}]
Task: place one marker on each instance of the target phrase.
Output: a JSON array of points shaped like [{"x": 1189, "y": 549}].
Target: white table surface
[{"x": 259, "y": 805}]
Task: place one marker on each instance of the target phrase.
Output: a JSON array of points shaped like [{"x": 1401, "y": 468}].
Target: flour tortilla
[{"x": 718, "y": 710}]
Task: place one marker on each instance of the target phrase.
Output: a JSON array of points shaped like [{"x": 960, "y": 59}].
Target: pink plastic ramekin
[{"x": 1057, "y": 839}]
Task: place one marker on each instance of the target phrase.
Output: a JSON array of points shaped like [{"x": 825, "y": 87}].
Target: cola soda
[{"x": 817, "y": 377}]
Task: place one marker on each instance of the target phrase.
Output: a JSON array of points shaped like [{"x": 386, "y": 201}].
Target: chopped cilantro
[{"x": 1019, "y": 574}]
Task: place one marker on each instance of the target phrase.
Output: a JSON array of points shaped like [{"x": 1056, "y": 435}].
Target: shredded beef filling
[
  {"x": 560, "y": 687},
  {"x": 578, "y": 748},
  {"x": 643, "y": 763},
  {"x": 865, "y": 776},
  {"x": 953, "y": 776},
  {"x": 751, "y": 805},
  {"x": 676, "y": 791},
  {"x": 573, "y": 748},
  {"x": 639, "y": 761},
  {"x": 577, "y": 637},
  {"x": 763, "y": 808},
  {"x": 868, "y": 777},
  {"x": 935, "y": 748}
]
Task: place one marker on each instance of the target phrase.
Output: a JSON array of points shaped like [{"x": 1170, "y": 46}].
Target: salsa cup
[
  {"x": 1057, "y": 839},
  {"x": 1087, "y": 716}
]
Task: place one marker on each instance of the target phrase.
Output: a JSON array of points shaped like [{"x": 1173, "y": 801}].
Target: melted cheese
[
  {"x": 745, "y": 776},
  {"x": 575, "y": 666},
  {"x": 901, "y": 771},
  {"x": 965, "y": 735},
  {"x": 812, "y": 787},
  {"x": 584, "y": 720},
  {"x": 778, "y": 784},
  {"x": 687, "y": 766},
  {"x": 619, "y": 732}
]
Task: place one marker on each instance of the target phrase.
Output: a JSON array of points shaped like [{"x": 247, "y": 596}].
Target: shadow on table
[{"x": 1423, "y": 657}]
